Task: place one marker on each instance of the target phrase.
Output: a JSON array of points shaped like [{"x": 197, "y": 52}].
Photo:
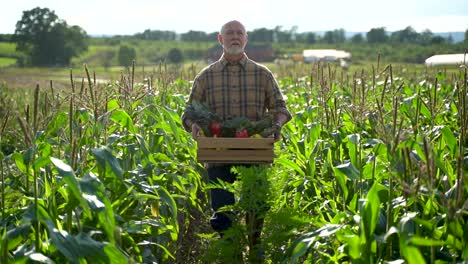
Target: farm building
[
  {"x": 447, "y": 59},
  {"x": 314, "y": 55}
]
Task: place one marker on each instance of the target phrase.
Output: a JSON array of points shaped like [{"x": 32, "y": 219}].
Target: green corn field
[{"x": 373, "y": 168}]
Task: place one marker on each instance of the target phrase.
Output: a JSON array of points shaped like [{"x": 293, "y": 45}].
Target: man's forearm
[{"x": 280, "y": 119}]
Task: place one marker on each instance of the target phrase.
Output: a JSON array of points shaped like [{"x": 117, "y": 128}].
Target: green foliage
[
  {"x": 198, "y": 36},
  {"x": 92, "y": 198},
  {"x": 48, "y": 40},
  {"x": 153, "y": 46},
  {"x": 175, "y": 56},
  {"x": 203, "y": 116},
  {"x": 357, "y": 39},
  {"x": 335, "y": 36},
  {"x": 371, "y": 169},
  {"x": 7, "y": 62},
  {"x": 8, "y": 49},
  {"x": 126, "y": 55},
  {"x": 104, "y": 51},
  {"x": 253, "y": 189},
  {"x": 5, "y": 37},
  {"x": 376, "y": 35},
  {"x": 157, "y": 35}
]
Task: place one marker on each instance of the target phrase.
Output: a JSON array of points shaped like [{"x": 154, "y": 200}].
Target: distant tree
[
  {"x": 466, "y": 36},
  {"x": 212, "y": 36},
  {"x": 261, "y": 35},
  {"x": 425, "y": 37},
  {"x": 328, "y": 37},
  {"x": 282, "y": 36},
  {"x": 428, "y": 38},
  {"x": 156, "y": 35},
  {"x": 311, "y": 38},
  {"x": 437, "y": 40},
  {"x": 335, "y": 36},
  {"x": 306, "y": 37},
  {"x": 6, "y": 37},
  {"x": 340, "y": 35},
  {"x": 407, "y": 35},
  {"x": 357, "y": 38},
  {"x": 194, "y": 36},
  {"x": 48, "y": 40},
  {"x": 175, "y": 55},
  {"x": 377, "y": 35},
  {"x": 126, "y": 55},
  {"x": 112, "y": 41}
]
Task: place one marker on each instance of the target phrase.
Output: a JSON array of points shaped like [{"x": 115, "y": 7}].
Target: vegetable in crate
[
  {"x": 261, "y": 127},
  {"x": 203, "y": 116},
  {"x": 216, "y": 129},
  {"x": 211, "y": 125},
  {"x": 232, "y": 125},
  {"x": 241, "y": 133}
]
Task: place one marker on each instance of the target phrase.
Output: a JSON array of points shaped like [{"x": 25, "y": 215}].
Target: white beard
[{"x": 234, "y": 50}]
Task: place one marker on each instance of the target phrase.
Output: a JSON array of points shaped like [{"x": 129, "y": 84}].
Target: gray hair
[{"x": 232, "y": 21}]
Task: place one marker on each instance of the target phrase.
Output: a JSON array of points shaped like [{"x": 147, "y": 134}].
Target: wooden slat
[
  {"x": 235, "y": 156},
  {"x": 235, "y": 150},
  {"x": 238, "y": 143}
]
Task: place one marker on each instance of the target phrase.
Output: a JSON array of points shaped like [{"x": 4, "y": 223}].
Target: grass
[
  {"x": 147, "y": 52},
  {"x": 5, "y": 62},
  {"x": 8, "y": 49},
  {"x": 28, "y": 77}
]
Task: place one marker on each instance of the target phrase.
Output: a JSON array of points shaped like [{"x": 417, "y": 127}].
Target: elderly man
[{"x": 235, "y": 86}]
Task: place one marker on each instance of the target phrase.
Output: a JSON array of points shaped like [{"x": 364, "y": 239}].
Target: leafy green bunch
[{"x": 204, "y": 117}]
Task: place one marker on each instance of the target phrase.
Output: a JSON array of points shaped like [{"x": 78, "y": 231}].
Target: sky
[{"x": 124, "y": 17}]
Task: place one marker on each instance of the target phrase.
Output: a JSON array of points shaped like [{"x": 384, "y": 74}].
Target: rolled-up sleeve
[{"x": 275, "y": 100}]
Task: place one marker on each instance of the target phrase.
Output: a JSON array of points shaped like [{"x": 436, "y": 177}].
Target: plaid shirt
[{"x": 244, "y": 88}]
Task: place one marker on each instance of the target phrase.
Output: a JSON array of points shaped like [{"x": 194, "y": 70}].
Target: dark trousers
[{"x": 220, "y": 221}]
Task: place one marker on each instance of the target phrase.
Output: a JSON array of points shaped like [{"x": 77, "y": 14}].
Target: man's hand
[
  {"x": 276, "y": 132},
  {"x": 196, "y": 131},
  {"x": 272, "y": 132},
  {"x": 280, "y": 120}
]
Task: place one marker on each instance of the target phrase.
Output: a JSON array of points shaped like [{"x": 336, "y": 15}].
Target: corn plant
[{"x": 371, "y": 169}]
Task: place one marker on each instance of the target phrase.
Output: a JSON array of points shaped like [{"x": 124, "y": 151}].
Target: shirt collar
[{"x": 242, "y": 62}]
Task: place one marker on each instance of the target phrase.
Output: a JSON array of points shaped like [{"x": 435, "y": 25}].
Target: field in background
[
  {"x": 7, "y": 62},
  {"x": 8, "y": 54},
  {"x": 151, "y": 56},
  {"x": 7, "y": 49},
  {"x": 103, "y": 52}
]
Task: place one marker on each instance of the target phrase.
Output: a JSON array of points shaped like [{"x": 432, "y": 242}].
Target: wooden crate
[{"x": 235, "y": 150}]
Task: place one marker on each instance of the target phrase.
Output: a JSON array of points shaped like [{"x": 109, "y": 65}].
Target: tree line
[
  {"x": 278, "y": 35},
  {"x": 47, "y": 40}
]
